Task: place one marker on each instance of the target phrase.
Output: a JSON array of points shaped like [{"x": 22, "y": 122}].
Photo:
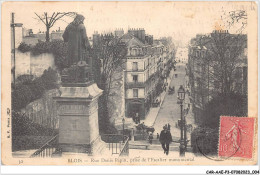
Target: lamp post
[
  {"x": 181, "y": 97},
  {"x": 123, "y": 121},
  {"x": 13, "y": 25}
]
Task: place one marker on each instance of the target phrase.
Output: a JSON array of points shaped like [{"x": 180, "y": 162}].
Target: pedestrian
[
  {"x": 129, "y": 136},
  {"x": 165, "y": 139},
  {"x": 134, "y": 118},
  {"x": 150, "y": 138},
  {"x": 158, "y": 136},
  {"x": 137, "y": 118},
  {"x": 169, "y": 127}
]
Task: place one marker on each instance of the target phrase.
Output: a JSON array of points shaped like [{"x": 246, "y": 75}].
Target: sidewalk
[
  {"x": 190, "y": 116},
  {"x": 153, "y": 112}
]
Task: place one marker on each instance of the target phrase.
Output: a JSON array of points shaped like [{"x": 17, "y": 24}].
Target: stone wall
[
  {"x": 22, "y": 63},
  {"x": 29, "y": 64},
  {"x": 41, "y": 62}
]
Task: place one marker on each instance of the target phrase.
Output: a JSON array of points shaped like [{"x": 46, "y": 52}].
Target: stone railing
[
  {"x": 125, "y": 149},
  {"x": 48, "y": 149},
  {"x": 118, "y": 144}
]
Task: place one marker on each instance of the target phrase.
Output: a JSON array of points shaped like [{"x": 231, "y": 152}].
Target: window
[
  {"x": 135, "y": 78},
  {"x": 135, "y": 66},
  {"x": 133, "y": 52},
  {"x": 74, "y": 124},
  {"x": 197, "y": 53},
  {"x": 135, "y": 93}
]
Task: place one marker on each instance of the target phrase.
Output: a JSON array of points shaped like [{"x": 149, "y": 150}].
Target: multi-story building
[
  {"x": 199, "y": 80},
  {"x": 30, "y": 38},
  {"x": 145, "y": 67},
  {"x": 143, "y": 71}
]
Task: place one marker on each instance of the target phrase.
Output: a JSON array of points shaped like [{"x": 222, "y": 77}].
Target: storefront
[{"x": 134, "y": 106}]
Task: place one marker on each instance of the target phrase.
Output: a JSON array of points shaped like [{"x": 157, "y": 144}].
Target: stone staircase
[{"x": 156, "y": 145}]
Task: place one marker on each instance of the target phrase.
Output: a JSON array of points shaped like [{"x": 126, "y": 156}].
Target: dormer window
[{"x": 134, "y": 52}]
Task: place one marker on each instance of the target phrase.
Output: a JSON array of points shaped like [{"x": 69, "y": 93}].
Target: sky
[{"x": 180, "y": 20}]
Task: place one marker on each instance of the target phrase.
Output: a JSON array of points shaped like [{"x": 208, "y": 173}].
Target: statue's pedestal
[{"x": 78, "y": 119}]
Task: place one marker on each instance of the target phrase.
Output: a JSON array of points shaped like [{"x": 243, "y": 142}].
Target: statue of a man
[{"x": 78, "y": 44}]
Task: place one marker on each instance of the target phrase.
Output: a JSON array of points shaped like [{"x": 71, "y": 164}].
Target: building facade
[{"x": 145, "y": 70}]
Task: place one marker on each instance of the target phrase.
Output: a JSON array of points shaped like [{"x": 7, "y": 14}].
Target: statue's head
[{"x": 79, "y": 19}]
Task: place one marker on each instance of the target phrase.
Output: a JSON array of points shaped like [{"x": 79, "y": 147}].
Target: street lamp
[
  {"x": 13, "y": 25},
  {"x": 181, "y": 97},
  {"x": 123, "y": 121}
]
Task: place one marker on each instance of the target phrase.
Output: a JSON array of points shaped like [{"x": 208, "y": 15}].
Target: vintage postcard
[{"x": 129, "y": 83}]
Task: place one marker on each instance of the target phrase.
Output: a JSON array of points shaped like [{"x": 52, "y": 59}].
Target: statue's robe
[{"x": 78, "y": 43}]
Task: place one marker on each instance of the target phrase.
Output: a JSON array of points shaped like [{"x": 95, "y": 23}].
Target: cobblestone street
[{"x": 170, "y": 110}]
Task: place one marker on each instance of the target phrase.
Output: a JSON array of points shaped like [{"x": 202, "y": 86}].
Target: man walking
[
  {"x": 165, "y": 139},
  {"x": 150, "y": 138},
  {"x": 137, "y": 117}
]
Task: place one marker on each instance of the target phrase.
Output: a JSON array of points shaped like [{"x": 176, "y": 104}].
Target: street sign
[{"x": 16, "y": 25}]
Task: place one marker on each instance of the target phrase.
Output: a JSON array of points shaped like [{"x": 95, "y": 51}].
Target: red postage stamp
[{"x": 236, "y": 137}]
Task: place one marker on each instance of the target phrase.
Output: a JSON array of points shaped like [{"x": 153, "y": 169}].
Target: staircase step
[{"x": 156, "y": 145}]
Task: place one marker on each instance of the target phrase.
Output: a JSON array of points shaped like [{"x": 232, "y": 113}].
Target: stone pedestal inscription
[{"x": 78, "y": 114}]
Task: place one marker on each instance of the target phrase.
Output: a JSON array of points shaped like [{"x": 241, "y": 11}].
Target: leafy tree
[
  {"x": 24, "y": 79},
  {"x": 59, "y": 49},
  {"x": 27, "y": 91},
  {"x": 204, "y": 141},
  {"x": 49, "y": 78},
  {"x": 23, "y": 47},
  {"x": 21, "y": 96},
  {"x": 232, "y": 104},
  {"x": 22, "y": 125},
  {"x": 41, "y": 47}
]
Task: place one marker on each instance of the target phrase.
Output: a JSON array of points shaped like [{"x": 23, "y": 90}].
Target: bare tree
[
  {"x": 218, "y": 67},
  {"x": 50, "y": 19},
  {"x": 112, "y": 54},
  {"x": 225, "y": 52}
]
